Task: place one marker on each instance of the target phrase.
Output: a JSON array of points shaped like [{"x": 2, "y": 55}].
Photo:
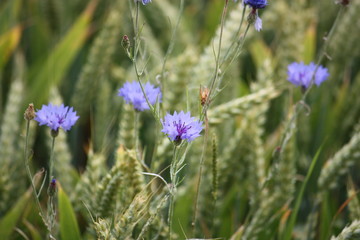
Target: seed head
[{"x": 29, "y": 112}]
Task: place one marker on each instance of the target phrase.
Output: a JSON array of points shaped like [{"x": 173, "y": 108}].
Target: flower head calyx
[{"x": 29, "y": 112}]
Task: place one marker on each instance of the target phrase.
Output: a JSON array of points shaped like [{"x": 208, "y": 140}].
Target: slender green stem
[
  {"x": 51, "y": 213},
  {"x": 193, "y": 224},
  {"x": 137, "y": 72},
  {"x": 170, "y": 47},
  {"x": 28, "y": 171},
  {"x": 51, "y": 163},
  {"x": 217, "y": 62},
  {"x": 173, "y": 176},
  {"x": 232, "y": 51},
  {"x": 136, "y": 29},
  {"x": 237, "y": 34}
]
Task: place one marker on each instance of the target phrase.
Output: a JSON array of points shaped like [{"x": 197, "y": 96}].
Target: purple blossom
[
  {"x": 144, "y": 2},
  {"x": 181, "y": 126},
  {"x": 132, "y": 93},
  {"x": 256, "y": 4},
  {"x": 258, "y": 23},
  {"x": 301, "y": 75},
  {"x": 56, "y": 116}
]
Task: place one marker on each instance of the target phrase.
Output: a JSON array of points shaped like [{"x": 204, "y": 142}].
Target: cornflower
[
  {"x": 302, "y": 75},
  {"x": 56, "y": 117},
  {"x": 133, "y": 94},
  {"x": 181, "y": 126}
]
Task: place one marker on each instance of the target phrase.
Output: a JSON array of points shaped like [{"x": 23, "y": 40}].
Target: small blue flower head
[
  {"x": 52, "y": 187},
  {"x": 144, "y": 2},
  {"x": 256, "y": 4},
  {"x": 56, "y": 117},
  {"x": 300, "y": 74},
  {"x": 132, "y": 93},
  {"x": 181, "y": 126}
]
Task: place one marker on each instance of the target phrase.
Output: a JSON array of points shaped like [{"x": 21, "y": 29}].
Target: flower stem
[
  {"x": 50, "y": 206},
  {"x": 137, "y": 72},
  {"x": 302, "y": 104},
  {"x": 51, "y": 163},
  {"x": 28, "y": 171},
  {"x": 193, "y": 224},
  {"x": 217, "y": 64},
  {"x": 170, "y": 47},
  {"x": 173, "y": 177}
]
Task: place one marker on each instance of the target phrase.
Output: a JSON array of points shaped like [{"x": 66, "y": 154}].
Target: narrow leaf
[
  {"x": 69, "y": 228},
  {"x": 55, "y": 66},
  {"x": 291, "y": 224},
  {"x": 9, "y": 221}
]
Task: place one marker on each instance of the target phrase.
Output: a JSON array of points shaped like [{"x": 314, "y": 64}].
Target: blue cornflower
[
  {"x": 301, "y": 74},
  {"x": 132, "y": 93},
  {"x": 144, "y": 2},
  {"x": 181, "y": 126},
  {"x": 56, "y": 117},
  {"x": 256, "y": 4}
]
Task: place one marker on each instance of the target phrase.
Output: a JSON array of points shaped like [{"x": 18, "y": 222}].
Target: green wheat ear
[
  {"x": 277, "y": 192},
  {"x": 104, "y": 113},
  {"x": 204, "y": 69},
  {"x": 138, "y": 209},
  {"x": 290, "y": 30},
  {"x": 338, "y": 50},
  {"x": 126, "y": 136},
  {"x": 87, "y": 186},
  {"x": 350, "y": 232},
  {"x": 103, "y": 229},
  {"x": 12, "y": 170},
  {"x": 241, "y": 105},
  {"x": 339, "y": 164},
  {"x": 177, "y": 75},
  {"x": 99, "y": 60},
  {"x": 133, "y": 180},
  {"x": 107, "y": 191}
]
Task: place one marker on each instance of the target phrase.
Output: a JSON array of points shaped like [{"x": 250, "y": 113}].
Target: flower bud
[
  {"x": 52, "y": 188},
  {"x": 343, "y": 2},
  {"x": 252, "y": 17},
  {"x": 54, "y": 133},
  {"x": 125, "y": 42},
  {"x": 29, "y": 112}
]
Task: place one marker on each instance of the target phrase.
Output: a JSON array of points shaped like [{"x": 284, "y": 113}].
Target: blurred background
[{"x": 70, "y": 52}]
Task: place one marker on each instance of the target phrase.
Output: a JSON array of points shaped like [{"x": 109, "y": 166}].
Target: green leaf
[
  {"x": 9, "y": 221},
  {"x": 69, "y": 228},
  {"x": 35, "y": 235},
  {"x": 55, "y": 66},
  {"x": 290, "y": 226}
]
